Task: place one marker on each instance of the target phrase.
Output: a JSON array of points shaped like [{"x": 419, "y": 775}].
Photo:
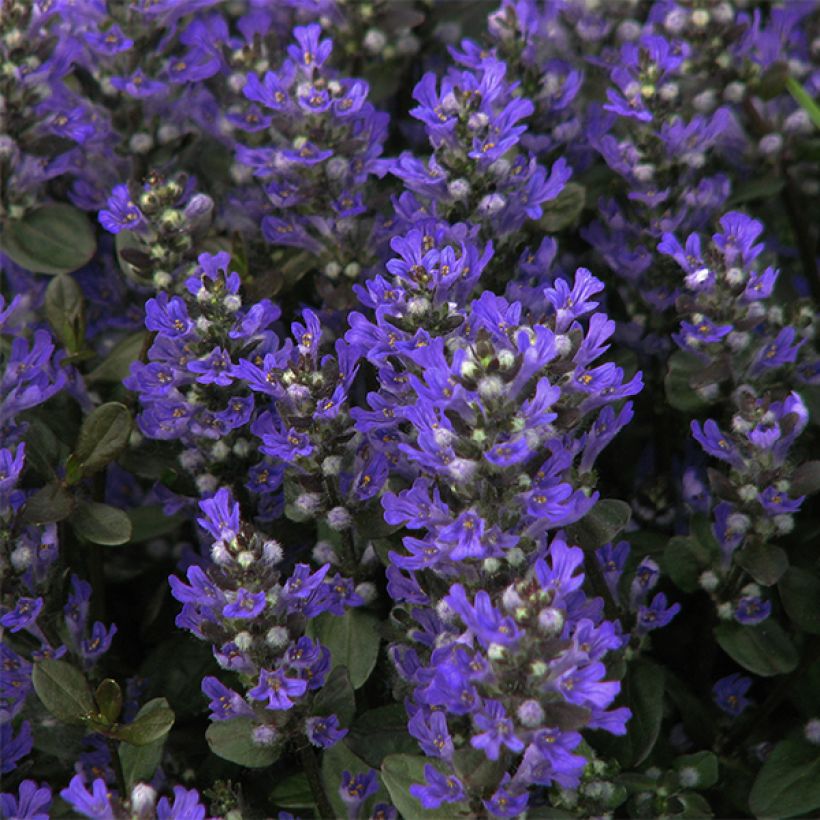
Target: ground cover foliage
[{"x": 409, "y": 409}]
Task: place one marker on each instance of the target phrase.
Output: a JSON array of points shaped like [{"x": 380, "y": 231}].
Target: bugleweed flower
[
  {"x": 254, "y": 618},
  {"x": 763, "y": 359}
]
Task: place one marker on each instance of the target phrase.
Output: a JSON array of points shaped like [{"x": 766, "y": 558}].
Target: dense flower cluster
[{"x": 331, "y": 337}]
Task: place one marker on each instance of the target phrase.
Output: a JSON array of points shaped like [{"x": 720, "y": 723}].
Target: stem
[
  {"x": 311, "y": 766},
  {"x": 117, "y": 765}
]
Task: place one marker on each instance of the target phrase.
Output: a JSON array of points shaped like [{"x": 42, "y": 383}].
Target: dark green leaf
[
  {"x": 684, "y": 559},
  {"x": 804, "y": 99},
  {"x": 152, "y": 522},
  {"x": 139, "y": 763},
  {"x": 683, "y": 368},
  {"x": 764, "y": 649},
  {"x": 52, "y": 503},
  {"x": 601, "y": 524},
  {"x": 477, "y": 771},
  {"x": 292, "y": 793},
  {"x": 564, "y": 210},
  {"x": 693, "y": 804},
  {"x": 800, "y": 594},
  {"x": 103, "y": 436},
  {"x": 108, "y": 696},
  {"x": 766, "y": 563},
  {"x": 117, "y": 364},
  {"x": 63, "y": 690},
  {"x": 336, "y": 697},
  {"x": 806, "y": 479},
  {"x": 154, "y": 721},
  {"x": 56, "y": 238},
  {"x": 381, "y": 732},
  {"x": 65, "y": 312},
  {"x": 353, "y": 640},
  {"x": 232, "y": 740},
  {"x": 399, "y": 772},
  {"x": 766, "y": 187},
  {"x": 773, "y": 80},
  {"x": 642, "y": 690},
  {"x": 705, "y": 766},
  {"x": 42, "y": 448},
  {"x": 788, "y": 785},
  {"x": 101, "y": 523}
]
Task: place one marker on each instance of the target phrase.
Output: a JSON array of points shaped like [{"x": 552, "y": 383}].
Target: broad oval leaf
[
  {"x": 788, "y": 785},
  {"x": 152, "y": 722},
  {"x": 64, "y": 311},
  {"x": 55, "y": 238},
  {"x": 51, "y": 503},
  {"x": 101, "y": 524},
  {"x": 764, "y": 649},
  {"x": 63, "y": 690},
  {"x": 601, "y": 524},
  {"x": 103, "y": 436},
  {"x": 232, "y": 740},
  {"x": 108, "y": 696},
  {"x": 353, "y": 640},
  {"x": 800, "y": 594}
]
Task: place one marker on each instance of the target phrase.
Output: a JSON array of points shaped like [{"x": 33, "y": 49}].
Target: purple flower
[
  {"x": 95, "y": 804},
  {"x": 121, "y": 213},
  {"x": 439, "y": 788},
  {"x": 31, "y": 803},
  {"x": 355, "y": 789},
  {"x": 715, "y": 443},
  {"x": 277, "y": 689},
  {"x": 14, "y": 748},
  {"x": 99, "y": 643},
  {"x": 168, "y": 316},
  {"x": 431, "y": 730},
  {"x": 324, "y": 732},
  {"x": 498, "y": 731},
  {"x": 225, "y": 703},
  {"x": 310, "y": 52},
  {"x": 656, "y": 615},
  {"x": 729, "y": 694},
  {"x": 247, "y": 605},
  {"x": 214, "y": 369},
  {"x": 186, "y": 806},
  {"x": 776, "y": 502},
  {"x": 221, "y": 517},
  {"x": 752, "y": 609},
  {"x": 782, "y": 350},
  {"x": 505, "y": 802},
  {"x": 23, "y": 615}
]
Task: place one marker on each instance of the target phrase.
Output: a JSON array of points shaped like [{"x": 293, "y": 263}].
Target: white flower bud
[
  {"x": 491, "y": 387},
  {"x": 352, "y": 270},
  {"x": 366, "y": 591},
  {"x": 708, "y": 580},
  {"x": 323, "y": 553},
  {"x": 162, "y": 280},
  {"x": 332, "y": 465},
  {"x": 272, "y": 552},
  {"x": 277, "y": 637},
  {"x": 784, "y": 523},
  {"x": 264, "y": 735},
  {"x": 143, "y": 800},
  {"x": 511, "y": 600},
  {"x": 531, "y": 714},
  {"x": 770, "y": 145},
  {"x": 724, "y": 611},
  {"x": 700, "y": 18},
  {"x": 241, "y": 447},
  {"x": 748, "y": 492},
  {"x": 374, "y": 41},
  {"x": 459, "y": 189},
  {"x": 705, "y": 101},
  {"x": 243, "y": 641},
  {"x": 550, "y": 621},
  {"x": 738, "y": 340},
  {"x": 811, "y": 731},
  {"x": 515, "y": 556},
  {"x": 491, "y": 565},
  {"x": 245, "y": 559},
  {"x": 207, "y": 483},
  {"x": 496, "y": 651}
]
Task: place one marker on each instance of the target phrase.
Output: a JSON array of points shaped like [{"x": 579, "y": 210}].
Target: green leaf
[
  {"x": 564, "y": 210},
  {"x": 601, "y": 524},
  {"x": 232, "y": 740},
  {"x": 63, "y": 690},
  {"x": 336, "y": 697},
  {"x": 139, "y": 763},
  {"x": 705, "y": 764},
  {"x": 101, "y": 523},
  {"x": 153, "y": 721},
  {"x": 52, "y": 503},
  {"x": 381, "y": 732},
  {"x": 683, "y": 368},
  {"x": 773, "y": 81},
  {"x": 806, "y": 479},
  {"x": 117, "y": 364},
  {"x": 103, "y": 436},
  {"x": 65, "y": 311},
  {"x": 800, "y": 594},
  {"x": 684, "y": 559},
  {"x": 152, "y": 522},
  {"x": 766, "y": 563},
  {"x": 399, "y": 772},
  {"x": 108, "y": 696},
  {"x": 56, "y": 238},
  {"x": 804, "y": 99},
  {"x": 642, "y": 690},
  {"x": 788, "y": 785},
  {"x": 353, "y": 640},
  {"x": 293, "y": 793},
  {"x": 766, "y": 187},
  {"x": 764, "y": 649},
  {"x": 692, "y": 804}
]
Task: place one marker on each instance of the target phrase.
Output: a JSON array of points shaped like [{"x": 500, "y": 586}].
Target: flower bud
[
  {"x": 143, "y": 800},
  {"x": 550, "y": 621},
  {"x": 277, "y": 637},
  {"x": 531, "y": 714}
]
